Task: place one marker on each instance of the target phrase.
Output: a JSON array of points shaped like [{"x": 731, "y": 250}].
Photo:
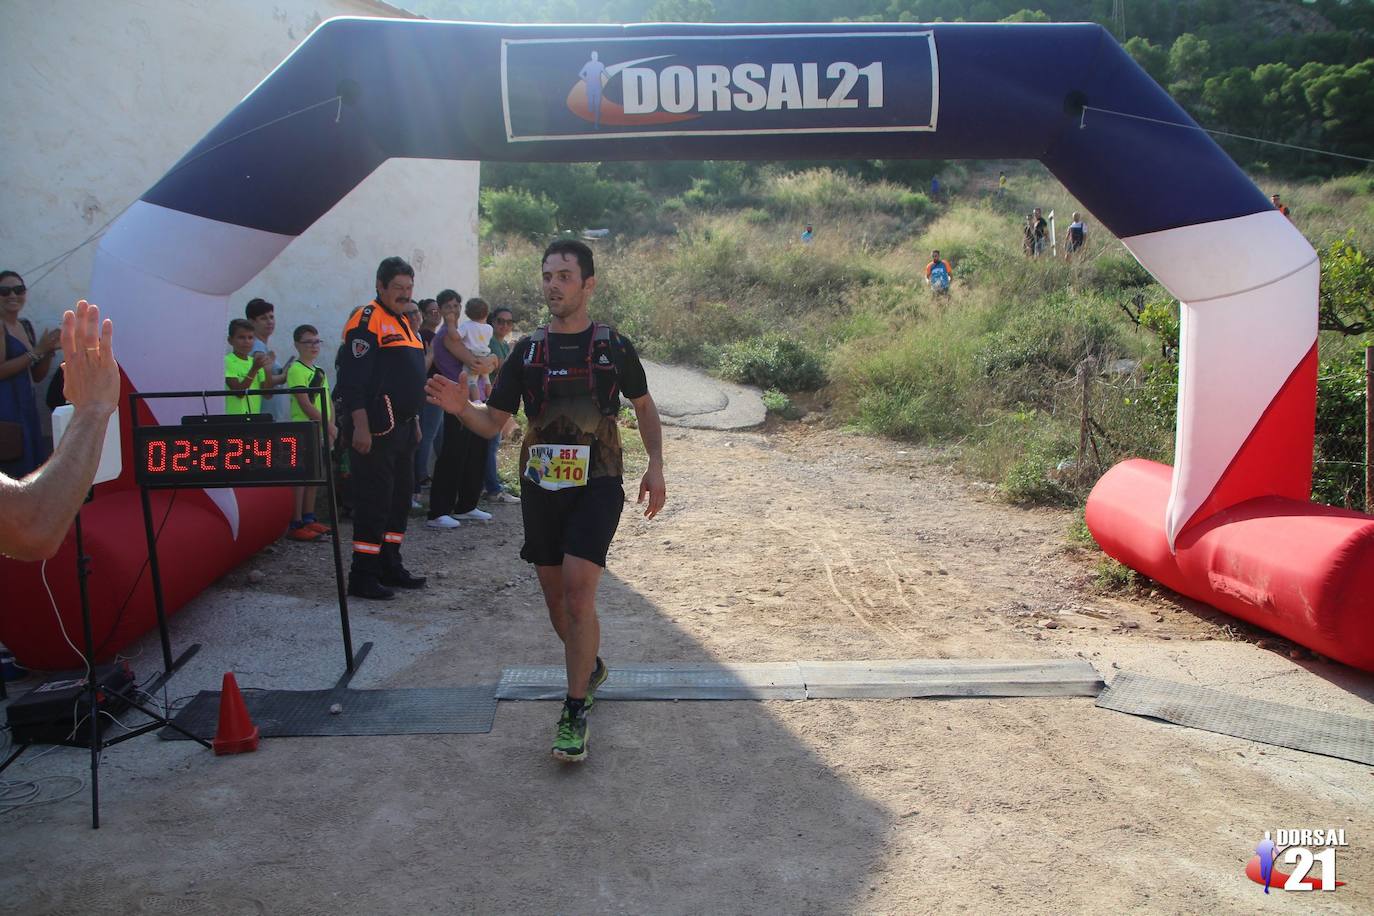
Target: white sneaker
[
  {"x": 443, "y": 523},
  {"x": 415, "y": 503},
  {"x": 475, "y": 515},
  {"x": 503, "y": 497}
]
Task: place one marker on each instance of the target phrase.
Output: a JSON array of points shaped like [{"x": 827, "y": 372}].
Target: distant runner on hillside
[
  {"x": 938, "y": 273},
  {"x": 1076, "y": 235}
]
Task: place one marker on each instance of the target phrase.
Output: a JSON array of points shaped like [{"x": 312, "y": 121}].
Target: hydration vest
[
  {"x": 939, "y": 277},
  {"x": 602, "y": 371}
]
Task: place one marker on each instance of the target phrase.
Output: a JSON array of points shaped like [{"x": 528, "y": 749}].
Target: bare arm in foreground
[{"x": 38, "y": 510}]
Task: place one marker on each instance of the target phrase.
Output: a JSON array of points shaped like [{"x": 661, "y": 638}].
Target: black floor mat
[
  {"x": 283, "y": 713},
  {"x": 1310, "y": 730}
]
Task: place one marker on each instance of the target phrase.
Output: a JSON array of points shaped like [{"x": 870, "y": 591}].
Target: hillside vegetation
[
  {"x": 998, "y": 371},
  {"x": 1026, "y": 362}
]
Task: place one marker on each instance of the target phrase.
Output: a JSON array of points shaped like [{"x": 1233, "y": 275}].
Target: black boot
[
  {"x": 393, "y": 573},
  {"x": 364, "y": 579},
  {"x": 367, "y": 585}
]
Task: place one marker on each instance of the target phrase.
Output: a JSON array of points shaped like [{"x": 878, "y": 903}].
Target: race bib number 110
[{"x": 557, "y": 467}]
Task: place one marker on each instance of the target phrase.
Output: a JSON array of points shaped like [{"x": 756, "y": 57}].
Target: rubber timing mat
[
  {"x": 1310, "y": 730},
  {"x": 949, "y": 677},
  {"x": 288, "y": 713},
  {"x": 743, "y": 681}
]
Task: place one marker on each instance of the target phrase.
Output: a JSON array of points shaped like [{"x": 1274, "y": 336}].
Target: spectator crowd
[{"x": 452, "y": 469}]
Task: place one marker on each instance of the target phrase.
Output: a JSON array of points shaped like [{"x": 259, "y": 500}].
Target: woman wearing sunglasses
[{"x": 27, "y": 359}]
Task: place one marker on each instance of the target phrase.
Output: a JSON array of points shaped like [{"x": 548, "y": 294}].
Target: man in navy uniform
[{"x": 381, "y": 385}]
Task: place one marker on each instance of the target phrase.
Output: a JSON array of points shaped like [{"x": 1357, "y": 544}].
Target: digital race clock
[{"x": 227, "y": 454}]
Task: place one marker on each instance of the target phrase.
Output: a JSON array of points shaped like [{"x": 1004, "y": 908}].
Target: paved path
[{"x": 686, "y": 397}]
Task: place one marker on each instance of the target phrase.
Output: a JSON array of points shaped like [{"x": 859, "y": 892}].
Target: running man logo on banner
[
  {"x": 1294, "y": 847},
  {"x": 566, "y": 88}
]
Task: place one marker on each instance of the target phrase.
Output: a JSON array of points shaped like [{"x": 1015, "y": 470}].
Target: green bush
[
  {"x": 778, "y": 403},
  {"x": 801, "y": 194},
  {"x": 517, "y": 212},
  {"x": 1111, "y": 576},
  {"x": 1338, "y": 468},
  {"x": 1349, "y": 187},
  {"x": 1056, "y": 334},
  {"x": 698, "y": 196},
  {"x": 771, "y": 361},
  {"x": 510, "y": 277},
  {"x": 1029, "y": 482},
  {"x": 725, "y": 259},
  {"x": 1162, "y": 318},
  {"x": 1079, "y": 535},
  {"x": 1118, "y": 271}
]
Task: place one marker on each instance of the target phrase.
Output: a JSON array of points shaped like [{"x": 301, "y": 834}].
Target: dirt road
[{"x": 797, "y": 543}]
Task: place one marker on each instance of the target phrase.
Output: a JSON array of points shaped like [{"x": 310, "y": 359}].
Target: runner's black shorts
[{"x": 580, "y": 521}]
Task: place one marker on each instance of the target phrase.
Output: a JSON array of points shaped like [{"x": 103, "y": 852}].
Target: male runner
[{"x": 569, "y": 375}]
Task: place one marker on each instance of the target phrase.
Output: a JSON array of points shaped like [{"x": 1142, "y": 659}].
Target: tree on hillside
[
  {"x": 1153, "y": 59},
  {"x": 1027, "y": 16},
  {"x": 1344, "y": 99},
  {"x": 1189, "y": 62}
]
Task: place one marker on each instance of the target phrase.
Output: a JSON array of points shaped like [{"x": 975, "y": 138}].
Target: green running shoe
[
  {"x": 596, "y": 680},
  {"x": 570, "y": 743}
]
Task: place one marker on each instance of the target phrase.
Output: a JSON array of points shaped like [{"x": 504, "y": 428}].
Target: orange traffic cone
[{"x": 237, "y": 734}]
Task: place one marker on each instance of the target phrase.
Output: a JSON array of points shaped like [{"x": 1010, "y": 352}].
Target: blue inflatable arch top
[{"x": 369, "y": 90}]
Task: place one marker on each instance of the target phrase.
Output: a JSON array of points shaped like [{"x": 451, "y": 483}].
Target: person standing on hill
[
  {"x": 570, "y": 375},
  {"x": 1040, "y": 231},
  {"x": 1075, "y": 235},
  {"x": 938, "y": 273},
  {"x": 1279, "y": 205}
]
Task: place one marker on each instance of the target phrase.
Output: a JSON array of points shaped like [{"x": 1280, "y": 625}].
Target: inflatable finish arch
[{"x": 1229, "y": 525}]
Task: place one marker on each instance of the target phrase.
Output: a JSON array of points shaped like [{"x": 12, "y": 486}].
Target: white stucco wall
[{"x": 101, "y": 97}]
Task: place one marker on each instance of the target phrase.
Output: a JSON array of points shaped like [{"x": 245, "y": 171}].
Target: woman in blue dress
[{"x": 28, "y": 358}]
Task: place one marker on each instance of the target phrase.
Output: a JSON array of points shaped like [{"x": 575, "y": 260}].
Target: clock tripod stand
[{"x": 209, "y": 451}]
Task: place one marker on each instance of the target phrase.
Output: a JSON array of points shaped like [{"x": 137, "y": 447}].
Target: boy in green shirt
[
  {"x": 243, "y": 369},
  {"x": 302, "y": 372}
]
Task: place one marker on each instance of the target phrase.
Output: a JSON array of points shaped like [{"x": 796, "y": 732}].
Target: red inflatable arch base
[
  {"x": 120, "y": 584},
  {"x": 1295, "y": 568}
]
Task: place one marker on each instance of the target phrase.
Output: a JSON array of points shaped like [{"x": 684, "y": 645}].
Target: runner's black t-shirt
[{"x": 571, "y": 415}]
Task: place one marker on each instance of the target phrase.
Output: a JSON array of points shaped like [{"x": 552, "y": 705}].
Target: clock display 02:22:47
[
  {"x": 234, "y": 453},
  {"x": 206, "y": 455}
]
